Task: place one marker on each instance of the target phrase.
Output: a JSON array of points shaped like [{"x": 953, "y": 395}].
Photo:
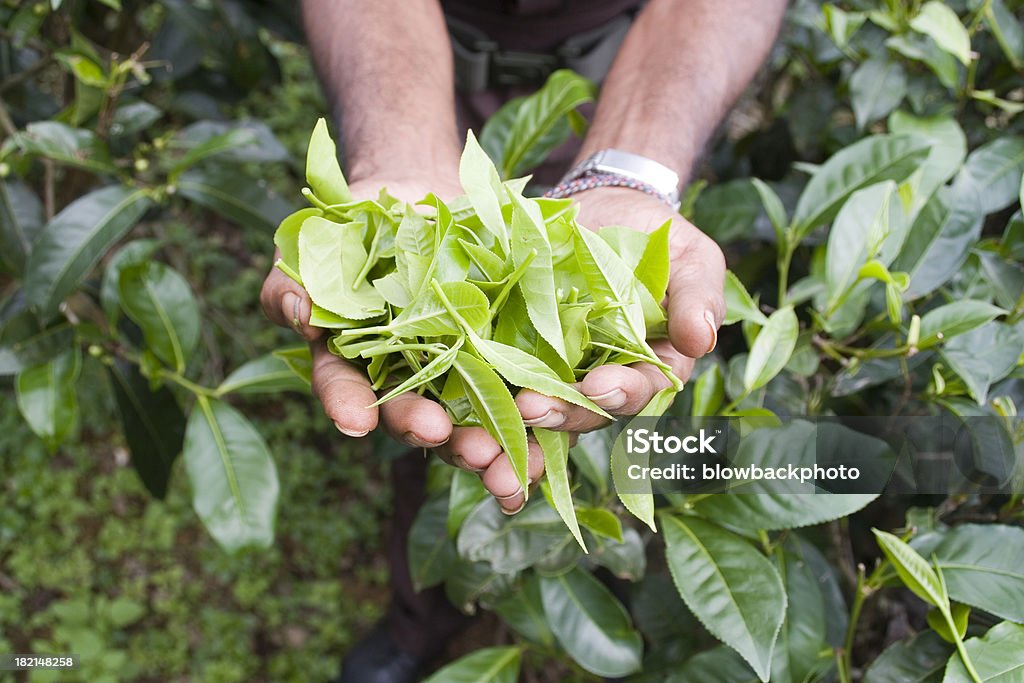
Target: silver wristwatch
[{"x": 633, "y": 166}]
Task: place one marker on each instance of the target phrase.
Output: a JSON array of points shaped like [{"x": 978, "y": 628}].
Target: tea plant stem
[
  {"x": 785, "y": 258},
  {"x": 860, "y": 593}
]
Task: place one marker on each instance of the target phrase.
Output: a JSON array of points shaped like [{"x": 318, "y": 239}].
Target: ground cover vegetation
[{"x": 867, "y": 194}]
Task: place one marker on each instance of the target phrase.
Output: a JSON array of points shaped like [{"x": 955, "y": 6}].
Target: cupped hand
[
  {"x": 695, "y": 307},
  {"x": 343, "y": 388}
]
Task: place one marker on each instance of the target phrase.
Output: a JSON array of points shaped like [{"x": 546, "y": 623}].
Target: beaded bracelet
[{"x": 591, "y": 180}]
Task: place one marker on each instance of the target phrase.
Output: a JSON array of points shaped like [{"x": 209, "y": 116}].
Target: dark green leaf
[
  {"x": 998, "y": 656},
  {"x": 734, "y": 591},
  {"x": 920, "y": 659},
  {"x": 523, "y": 610},
  {"x": 591, "y": 624},
  {"x": 431, "y": 552},
  {"x": 489, "y": 665},
  {"x": 66, "y": 145},
  {"x": 133, "y": 253},
  {"x": 876, "y": 88},
  {"x": 153, "y": 423},
  {"x": 984, "y": 355},
  {"x": 946, "y": 322},
  {"x": 235, "y": 196},
  {"x": 46, "y": 397},
  {"x": 21, "y": 217},
  {"x": 73, "y": 242},
  {"x": 872, "y": 160},
  {"x": 982, "y": 568},
  {"x": 234, "y": 481},
  {"x": 992, "y": 174},
  {"x": 720, "y": 665},
  {"x": 160, "y": 301}
]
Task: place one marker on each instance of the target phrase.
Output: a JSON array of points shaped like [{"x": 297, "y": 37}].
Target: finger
[
  {"x": 344, "y": 392},
  {"x": 682, "y": 366},
  {"x": 696, "y": 303},
  {"x": 287, "y": 304},
  {"x": 416, "y": 421},
  {"x": 539, "y": 410},
  {"x": 500, "y": 479},
  {"x": 471, "y": 448}
]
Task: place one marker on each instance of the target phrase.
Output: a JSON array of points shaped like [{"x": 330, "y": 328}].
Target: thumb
[{"x": 287, "y": 304}]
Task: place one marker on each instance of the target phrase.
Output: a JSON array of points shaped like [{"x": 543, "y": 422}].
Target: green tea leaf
[
  {"x": 322, "y": 170},
  {"x": 739, "y": 305},
  {"x": 235, "y": 196},
  {"x": 266, "y": 374},
  {"x": 998, "y": 656},
  {"x": 496, "y": 409},
  {"x": 331, "y": 256},
  {"x": 872, "y": 160},
  {"x": 154, "y": 426},
  {"x": 980, "y": 564},
  {"x": 772, "y": 349},
  {"x": 555, "y": 446},
  {"x": 913, "y": 570},
  {"x": 734, "y": 591},
  {"x": 46, "y": 397},
  {"x": 75, "y": 240},
  {"x": 653, "y": 269},
  {"x": 946, "y": 322},
  {"x": 481, "y": 183},
  {"x": 876, "y": 88},
  {"x": 940, "y": 23},
  {"x": 991, "y": 176},
  {"x": 488, "y": 665},
  {"x": 160, "y": 301},
  {"x": 591, "y": 624},
  {"x": 529, "y": 244},
  {"x": 233, "y": 478},
  {"x": 431, "y": 552},
  {"x": 286, "y": 239}
]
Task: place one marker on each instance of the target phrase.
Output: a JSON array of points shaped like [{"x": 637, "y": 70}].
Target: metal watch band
[{"x": 644, "y": 172}]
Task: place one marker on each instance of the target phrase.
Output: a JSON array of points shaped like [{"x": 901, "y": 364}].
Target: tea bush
[{"x": 867, "y": 193}]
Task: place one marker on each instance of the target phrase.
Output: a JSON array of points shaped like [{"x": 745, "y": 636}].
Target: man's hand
[
  {"x": 343, "y": 388},
  {"x": 695, "y": 305}
]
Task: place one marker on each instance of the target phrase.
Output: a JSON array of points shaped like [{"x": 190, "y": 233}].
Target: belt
[{"x": 480, "y": 64}]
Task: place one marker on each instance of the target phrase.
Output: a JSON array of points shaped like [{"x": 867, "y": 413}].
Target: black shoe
[{"x": 377, "y": 658}]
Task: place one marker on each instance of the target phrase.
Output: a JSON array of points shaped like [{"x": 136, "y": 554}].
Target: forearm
[
  {"x": 387, "y": 69},
  {"x": 681, "y": 67}
]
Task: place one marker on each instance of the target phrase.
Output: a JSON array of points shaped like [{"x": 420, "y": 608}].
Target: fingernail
[
  {"x": 518, "y": 492},
  {"x": 552, "y": 418},
  {"x": 616, "y": 398},
  {"x": 291, "y": 303},
  {"x": 351, "y": 432},
  {"x": 709, "y": 316},
  {"x": 461, "y": 463},
  {"x": 515, "y": 511},
  {"x": 414, "y": 440}
]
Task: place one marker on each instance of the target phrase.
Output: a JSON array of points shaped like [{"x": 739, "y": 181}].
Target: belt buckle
[{"x": 509, "y": 69}]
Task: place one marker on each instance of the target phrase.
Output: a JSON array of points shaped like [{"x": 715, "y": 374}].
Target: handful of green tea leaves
[{"x": 465, "y": 300}]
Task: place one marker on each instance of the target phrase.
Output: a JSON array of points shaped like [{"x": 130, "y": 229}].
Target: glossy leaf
[
  {"x": 131, "y": 254},
  {"x": 555, "y": 446},
  {"x": 981, "y": 566},
  {"x": 876, "y": 88},
  {"x": 772, "y": 349},
  {"x": 496, "y": 409},
  {"x": 946, "y": 322},
  {"x": 739, "y": 305},
  {"x": 75, "y": 240},
  {"x": 734, "y": 591},
  {"x": 913, "y": 570},
  {"x": 21, "y": 217},
  {"x": 869, "y": 161},
  {"x": 46, "y": 398},
  {"x": 154, "y": 426},
  {"x": 480, "y": 181},
  {"x": 591, "y": 624},
  {"x": 66, "y": 145},
  {"x": 920, "y": 659},
  {"x": 940, "y": 23},
  {"x": 233, "y": 478},
  {"x": 160, "y": 301},
  {"x": 431, "y": 551},
  {"x": 266, "y": 374},
  {"x": 323, "y": 172},
  {"x": 992, "y": 174},
  {"x": 998, "y": 656},
  {"x": 487, "y": 665},
  {"x": 235, "y": 196}
]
